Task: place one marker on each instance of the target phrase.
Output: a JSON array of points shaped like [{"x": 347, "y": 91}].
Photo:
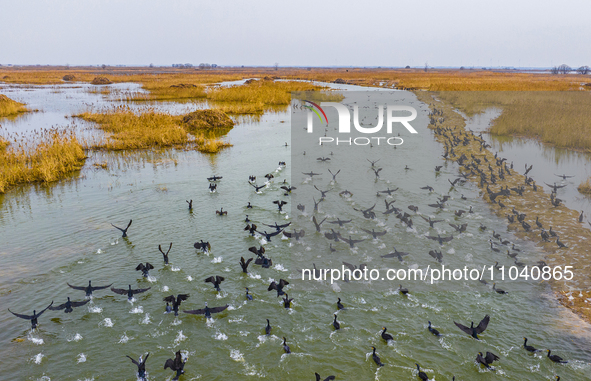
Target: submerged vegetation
[
  {"x": 54, "y": 157},
  {"x": 559, "y": 118},
  {"x": 9, "y": 107}
]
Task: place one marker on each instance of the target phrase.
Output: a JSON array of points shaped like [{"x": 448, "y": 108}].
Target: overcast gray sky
[{"x": 537, "y": 33}]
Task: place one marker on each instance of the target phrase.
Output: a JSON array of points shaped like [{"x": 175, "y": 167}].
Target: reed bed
[
  {"x": 562, "y": 119},
  {"x": 260, "y": 92},
  {"x": 128, "y": 130},
  {"x": 585, "y": 187},
  {"x": 56, "y": 156},
  {"x": 9, "y": 107}
]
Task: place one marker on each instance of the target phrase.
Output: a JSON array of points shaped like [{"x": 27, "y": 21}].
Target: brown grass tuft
[
  {"x": 100, "y": 80},
  {"x": 207, "y": 120},
  {"x": 585, "y": 187},
  {"x": 52, "y": 159},
  {"x": 8, "y": 107}
]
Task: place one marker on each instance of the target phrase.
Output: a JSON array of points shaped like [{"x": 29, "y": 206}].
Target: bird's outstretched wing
[
  {"x": 79, "y": 304},
  {"x": 483, "y": 324},
  {"x": 140, "y": 290},
  {"x": 77, "y": 287},
  {"x": 170, "y": 364},
  {"x": 135, "y": 361},
  {"x": 120, "y": 291},
  {"x": 467, "y": 330},
  {"x": 101, "y": 287}
]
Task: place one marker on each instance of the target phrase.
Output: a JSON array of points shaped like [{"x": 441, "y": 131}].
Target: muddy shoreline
[{"x": 573, "y": 294}]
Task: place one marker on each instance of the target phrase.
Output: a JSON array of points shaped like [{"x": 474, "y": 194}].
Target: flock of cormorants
[{"x": 487, "y": 172}]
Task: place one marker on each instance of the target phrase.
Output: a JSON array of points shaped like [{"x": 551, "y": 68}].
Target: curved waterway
[{"x": 62, "y": 233}]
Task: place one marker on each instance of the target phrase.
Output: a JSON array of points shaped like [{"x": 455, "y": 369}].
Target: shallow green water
[{"x": 61, "y": 234}]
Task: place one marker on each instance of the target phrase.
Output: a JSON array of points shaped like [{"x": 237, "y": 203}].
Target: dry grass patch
[
  {"x": 9, "y": 107},
  {"x": 53, "y": 158},
  {"x": 128, "y": 130},
  {"x": 559, "y": 118},
  {"x": 585, "y": 187}
]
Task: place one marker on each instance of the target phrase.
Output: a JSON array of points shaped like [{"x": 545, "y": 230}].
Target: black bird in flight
[
  {"x": 295, "y": 234},
  {"x": 351, "y": 241},
  {"x": 244, "y": 264},
  {"x": 177, "y": 365},
  {"x": 441, "y": 239},
  {"x": 129, "y": 292},
  {"x": 90, "y": 288},
  {"x": 564, "y": 177},
  {"x": 323, "y": 159},
  {"x": 269, "y": 235},
  {"x": 329, "y": 378},
  {"x": 317, "y": 224},
  {"x": 257, "y": 187},
  {"x": 33, "y": 318},
  {"x": 214, "y": 178},
  {"x": 374, "y": 233},
  {"x": 396, "y": 253},
  {"x": 311, "y": 174},
  {"x": 205, "y": 246},
  {"x": 486, "y": 360},
  {"x": 280, "y": 204},
  {"x": 176, "y": 302},
  {"x": 141, "y": 366},
  {"x": 190, "y": 204},
  {"x": 278, "y": 286},
  {"x": 475, "y": 331},
  {"x": 340, "y": 222},
  {"x": 144, "y": 269},
  {"x": 216, "y": 281},
  {"x": 252, "y": 228},
  {"x": 334, "y": 175},
  {"x": 278, "y": 227},
  {"x": 68, "y": 306},
  {"x": 165, "y": 255},
  {"x": 207, "y": 311},
  {"x": 288, "y": 189},
  {"x": 124, "y": 231}
]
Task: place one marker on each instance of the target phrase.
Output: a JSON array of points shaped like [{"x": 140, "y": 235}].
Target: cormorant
[
  {"x": 335, "y": 323},
  {"x": 124, "y": 231},
  {"x": 33, "y": 318},
  {"x": 177, "y": 365},
  {"x": 176, "y": 302},
  {"x": 475, "y": 331},
  {"x": 268, "y": 328},
  {"x": 144, "y": 269},
  {"x": 555, "y": 358},
  {"x": 129, "y": 292},
  {"x": 528, "y": 348},
  {"x": 433, "y": 330},
  {"x": 207, "y": 311},
  {"x": 215, "y": 280},
  {"x": 141, "y": 366},
  {"x": 165, "y": 255},
  {"x": 279, "y": 287},
  {"x": 89, "y": 289},
  {"x": 376, "y": 358},
  {"x": 386, "y": 336},
  {"x": 285, "y": 346},
  {"x": 244, "y": 264},
  {"x": 69, "y": 305}
]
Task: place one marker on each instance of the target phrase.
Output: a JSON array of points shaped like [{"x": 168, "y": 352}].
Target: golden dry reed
[
  {"x": 559, "y": 118},
  {"x": 126, "y": 129},
  {"x": 56, "y": 156},
  {"x": 585, "y": 187},
  {"x": 9, "y": 107}
]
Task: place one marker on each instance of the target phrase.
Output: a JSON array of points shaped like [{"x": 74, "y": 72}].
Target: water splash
[
  {"x": 76, "y": 337},
  {"x": 37, "y": 358},
  {"x": 81, "y": 358},
  {"x": 107, "y": 322}
]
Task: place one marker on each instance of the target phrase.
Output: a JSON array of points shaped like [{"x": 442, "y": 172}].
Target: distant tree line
[
  {"x": 565, "y": 69},
  {"x": 202, "y": 66}
]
